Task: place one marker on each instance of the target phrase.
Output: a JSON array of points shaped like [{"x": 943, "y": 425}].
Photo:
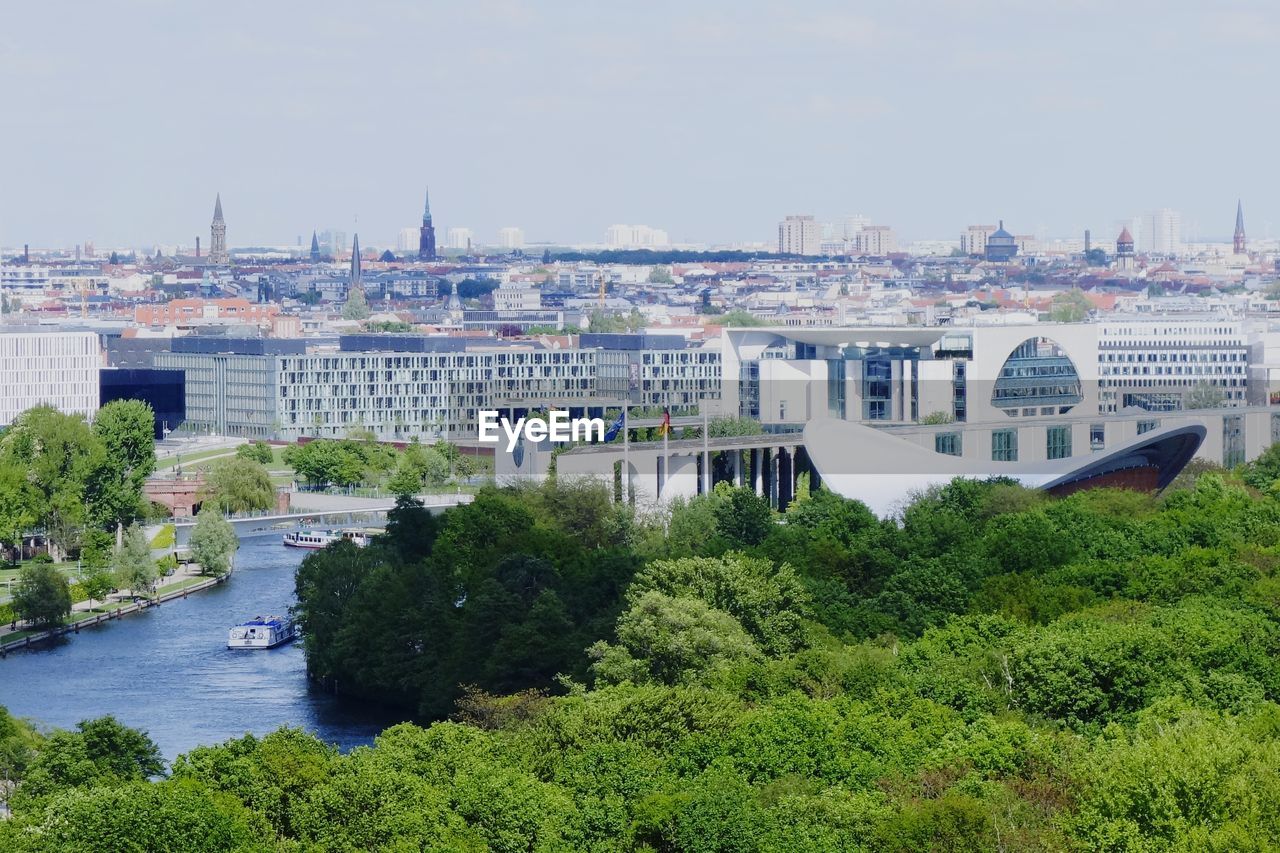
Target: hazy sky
[{"x": 709, "y": 119}]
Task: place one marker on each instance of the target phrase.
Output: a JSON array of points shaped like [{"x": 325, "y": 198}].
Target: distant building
[
  {"x": 315, "y": 248},
  {"x": 1124, "y": 250},
  {"x": 407, "y": 240},
  {"x": 511, "y": 238},
  {"x": 178, "y": 312},
  {"x": 973, "y": 240},
  {"x": 635, "y": 237},
  {"x": 511, "y": 297},
  {"x": 1162, "y": 232},
  {"x": 218, "y": 235},
  {"x": 876, "y": 240},
  {"x": 458, "y": 238},
  {"x": 799, "y": 235},
  {"x": 333, "y": 243},
  {"x": 427, "y": 233},
  {"x": 1001, "y": 245}
]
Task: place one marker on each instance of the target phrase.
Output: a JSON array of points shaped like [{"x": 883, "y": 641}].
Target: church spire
[
  {"x": 355, "y": 262},
  {"x": 315, "y": 247},
  {"x": 426, "y": 209},
  {"x": 427, "y": 233},
  {"x": 218, "y": 235},
  {"x": 1238, "y": 239}
]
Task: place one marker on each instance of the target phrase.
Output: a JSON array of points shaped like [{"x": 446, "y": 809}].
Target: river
[{"x": 167, "y": 670}]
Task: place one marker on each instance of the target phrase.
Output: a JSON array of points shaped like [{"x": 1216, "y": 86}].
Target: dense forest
[{"x": 992, "y": 670}]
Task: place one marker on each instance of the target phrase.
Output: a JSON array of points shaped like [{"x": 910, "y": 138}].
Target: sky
[{"x": 712, "y": 120}]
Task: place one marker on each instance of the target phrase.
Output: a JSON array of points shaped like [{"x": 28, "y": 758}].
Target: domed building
[{"x": 1001, "y": 245}]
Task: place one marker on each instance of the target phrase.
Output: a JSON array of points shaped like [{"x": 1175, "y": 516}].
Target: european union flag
[{"x": 612, "y": 432}]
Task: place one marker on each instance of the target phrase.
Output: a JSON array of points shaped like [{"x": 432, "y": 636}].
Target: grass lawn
[{"x": 187, "y": 458}]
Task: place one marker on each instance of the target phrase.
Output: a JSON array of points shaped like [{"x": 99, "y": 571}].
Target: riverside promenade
[{"x": 185, "y": 580}]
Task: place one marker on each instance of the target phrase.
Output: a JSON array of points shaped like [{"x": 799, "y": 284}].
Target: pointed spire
[
  {"x": 1238, "y": 239},
  {"x": 1239, "y": 216},
  {"x": 355, "y": 261},
  {"x": 217, "y": 208},
  {"x": 426, "y": 209}
]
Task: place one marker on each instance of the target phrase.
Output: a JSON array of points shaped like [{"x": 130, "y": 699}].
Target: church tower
[
  {"x": 218, "y": 235},
  {"x": 1238, "y": 239},
  {"x": 357, "y": 282},
  {"x": 315, "y": 248},
  {"x": 427, "y": 234}
]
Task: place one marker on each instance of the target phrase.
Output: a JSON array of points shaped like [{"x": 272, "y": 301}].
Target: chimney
[
  {"x": 197, "y": 246},
  {"x": 1088, "y": 244},
  {"x": 26, "y": 253}
]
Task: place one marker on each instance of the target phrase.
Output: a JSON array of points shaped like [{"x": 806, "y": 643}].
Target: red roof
[{"x": 1125, "y": 236}]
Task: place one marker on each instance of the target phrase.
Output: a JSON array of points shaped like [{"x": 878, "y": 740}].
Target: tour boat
[
  {"x": 317, "y": 539},
  {"x": 262, "y": 632}
]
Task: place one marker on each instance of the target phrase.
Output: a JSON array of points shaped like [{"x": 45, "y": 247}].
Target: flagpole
[
  {"x": 706, "y": 450},
  {"x": 626, "y": 447}
]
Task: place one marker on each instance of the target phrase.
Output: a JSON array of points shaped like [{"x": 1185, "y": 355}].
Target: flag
[
  {"x": 616, "y": 427},
  {"x": 665, "y": 429}
]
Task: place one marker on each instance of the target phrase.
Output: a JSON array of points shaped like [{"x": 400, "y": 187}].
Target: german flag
[{"x": 665, "y": 428}]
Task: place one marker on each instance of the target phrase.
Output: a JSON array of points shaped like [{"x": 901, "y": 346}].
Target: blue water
[{"x": 167, "y": 670}]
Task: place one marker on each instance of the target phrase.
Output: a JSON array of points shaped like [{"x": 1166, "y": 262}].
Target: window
[
  {"x": 1232, "y": 440},
  {"x": 1058, "y": 442},
  {"x": 1097, "y": 436},
  {"x": 1147, "y": 426},
  {"x": 947, "y": 442},
  {"x": 1004, "y": 445}
]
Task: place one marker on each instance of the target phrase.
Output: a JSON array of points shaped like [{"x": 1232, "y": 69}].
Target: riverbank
[{"x": 83, "y": 614}]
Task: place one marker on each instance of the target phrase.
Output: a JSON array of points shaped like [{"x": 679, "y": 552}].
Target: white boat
[
  {"x": 262, "y": 632},
  {"x": 317, "y": 539}
]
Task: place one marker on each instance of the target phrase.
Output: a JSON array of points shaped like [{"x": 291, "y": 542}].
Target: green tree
[
  {"x": 356, "y": 307},
  {"x": 1070, "y": 306},
  {"x": 98, "y": 752},
  {"x": 258, "y": 451},
  {"x": 213, "y": 543},
  {"x": 133, "y": 565},
  {"x": 126, "y": 429},
  {"x": 98, "y": 585},
  {"x": 19, "y": 502},
  {"x": 237, "y": 484},
  {"x": 62, "y": 457},
  {"x": 42, "y": 596},
  {"x": 1204, "y": 395},
  {"x": 660, "y": 275},
  {"x": 739, "y": 318},
  {"x": 744, "y": 518}
]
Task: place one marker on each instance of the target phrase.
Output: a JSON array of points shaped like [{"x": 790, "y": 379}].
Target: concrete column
[
  {"x": 757, "y": 470},
  {"x": 706, "y": 472},
  {"x": 786, "y": 476},
  {"x": 739, "y": 478}
]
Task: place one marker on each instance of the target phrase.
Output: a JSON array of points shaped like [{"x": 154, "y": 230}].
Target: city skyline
[{"x": 588, "y": 111}]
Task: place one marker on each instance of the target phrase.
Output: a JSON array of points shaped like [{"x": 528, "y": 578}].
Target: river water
[{"x": 167, "y": 670}]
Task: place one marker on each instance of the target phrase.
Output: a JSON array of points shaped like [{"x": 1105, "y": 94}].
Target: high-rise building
[
  {"x": 1162, "y": 232},
  {"x": 333, "y": 242},
  {"x": 218, "y": 235},
  {"x": 973, "y": 241},
  {"x": 408, "y": 240},
  {"x": 876, "y": 240},
  {"x": 427, "y": 233},
  {"x": 511, "y": 238},
  {"x": 1238, "y": 239},
  {"x": 635, "y": 237},
  {"x": 799, "y": 235},
  {"x": 458, "y": 238}
]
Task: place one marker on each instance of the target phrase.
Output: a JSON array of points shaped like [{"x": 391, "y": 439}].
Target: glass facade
[
  {"x": 1058, "y": 442},
  {"x": 948, "y": 443},
  {"x": 1232, "y": 440},
  {"x": 1004, "y": 445},
  {"x": 1037, "y": 378}
]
